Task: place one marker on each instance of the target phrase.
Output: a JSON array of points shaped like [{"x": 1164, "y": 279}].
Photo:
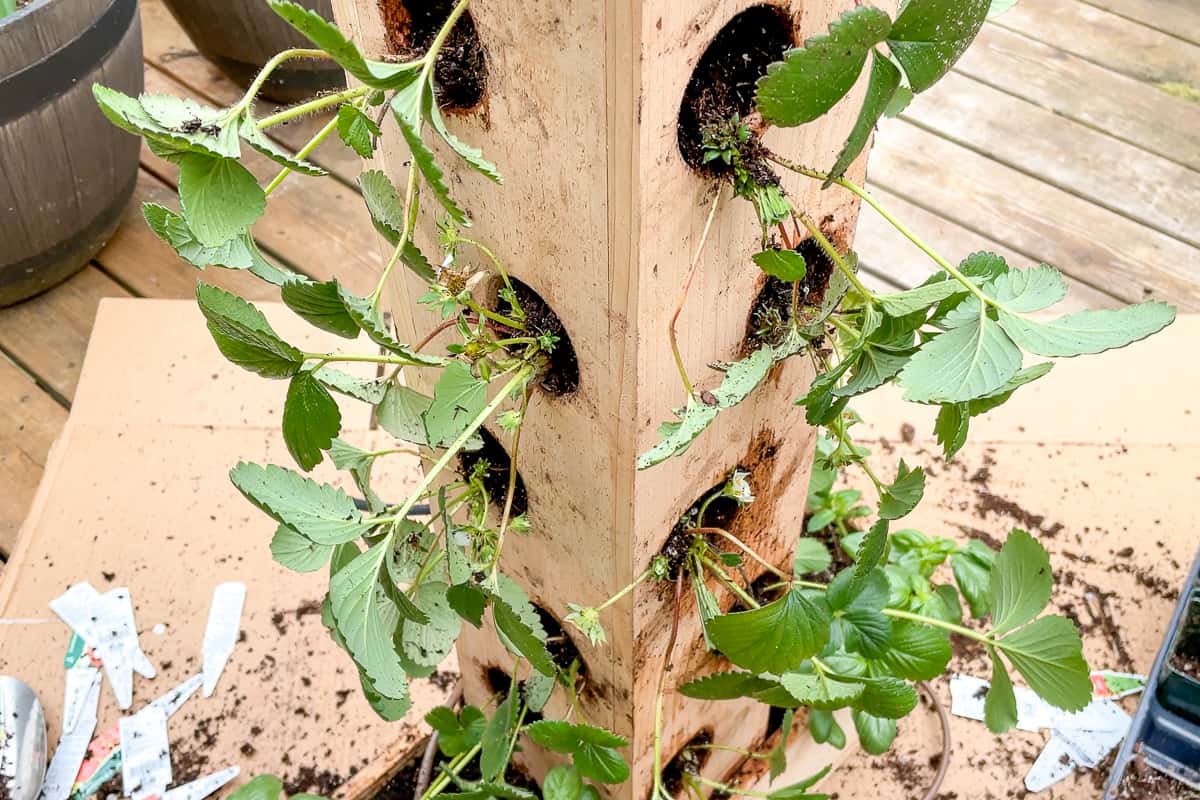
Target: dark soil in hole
[
  {"x": 500, "y": 683},
  {"x": 562, "y": 649},
  {"x": 560, "y": 374},
  {"x": 1143, "y": 782},
  {"x": 460, "y": 75},
  {"x": 686, "y": 762},
  {"x": 758, "y": 590},
  {"x": 495, "y": 477},
  {"x": 723, "y": 82},
  {"x": 775, "y": 717},
  {"x": 1186, "y": 656},
  {"x": 719, "y": 514},
  {"x": 772, "y": 308}
]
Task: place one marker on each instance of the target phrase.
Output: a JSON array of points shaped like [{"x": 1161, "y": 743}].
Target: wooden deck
[{"x": 1061, "y": 137}]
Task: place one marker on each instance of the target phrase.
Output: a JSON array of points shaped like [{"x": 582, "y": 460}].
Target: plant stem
[
  {"x": 301, "y": 154},
  {"x": 325, "y": 358},
  {"x": 659, "y": 792},
  {"x": 887, "y": 215},
  {"x": 495, "y": 262},
  {"x": 512, "y": 483},
  {"x": 443, "y": 779},
  {"x": 835, "y": 256},
  {"x": 937, "y": 623},
  {"x": 646, "y": 573},
  {"x": 729, "y": 582},
  {"x": 323, "y": 102},
  {"x": 745, "y": 548},
  {"x": 687, "y": 285},
  {"x": 270, "y": 67},
  {"x": 451, "y": 451},
  {"x": 730, "y": 790},
  {"x": 494, "y": 316},
  {"x": 410, "y": 212}
]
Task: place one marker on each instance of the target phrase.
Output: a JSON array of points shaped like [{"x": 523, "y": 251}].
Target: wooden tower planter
[
  {"x": 239, "y": 36},
  {"x": 600, "y": 214},
  {"x": 65, "y": 173}
]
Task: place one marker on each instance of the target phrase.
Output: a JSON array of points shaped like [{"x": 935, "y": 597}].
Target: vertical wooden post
[{"x": 600, "y": 215}]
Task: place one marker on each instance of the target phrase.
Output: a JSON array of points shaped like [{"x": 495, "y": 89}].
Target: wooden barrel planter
[
  {"x": 65, "y": 173},
  {"x": 239, "y": 36}
]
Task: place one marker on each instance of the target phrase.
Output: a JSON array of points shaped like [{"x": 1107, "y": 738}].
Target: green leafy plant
[{"x": 401, "y": 588}]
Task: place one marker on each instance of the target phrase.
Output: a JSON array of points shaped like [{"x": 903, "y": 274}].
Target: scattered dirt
[
  {"x": 311, "y": 780},
  {"x": 1143, "y": 782},
  {"x": 495, "y": 478},
  {"x": 987, "y": 504},
  {"x": 723, "y": 83},
  {"x": 460, "y": 75},
  {"x": 560, "y": 373}
]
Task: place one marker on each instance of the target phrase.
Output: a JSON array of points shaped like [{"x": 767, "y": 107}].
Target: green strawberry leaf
[
  {"x": 292, "y": 550},
  {"x": 928, "y": 37},
  {"x": 786, "y": 265},
  {"x": 357, "y": 130},
  {"x": 220, "y": 198},
  {"x": 321, "y": 513},
  {"x": 311, "y": 420},
  {"x": 1086, "y": 332},
  {"x": 776, "y": 638},
  {"x": 1021, "y": 582},
  {"x": 884, "y": 81}
]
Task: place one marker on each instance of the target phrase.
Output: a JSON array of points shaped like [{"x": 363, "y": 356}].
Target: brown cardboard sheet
[{"x": 136, "y": 494}]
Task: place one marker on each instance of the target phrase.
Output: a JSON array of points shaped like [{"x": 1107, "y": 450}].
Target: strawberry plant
[{"x": 823, "y": 635}]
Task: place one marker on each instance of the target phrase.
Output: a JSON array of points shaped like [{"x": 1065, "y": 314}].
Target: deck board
[
  {"x": 30, "y": 420},
  {"x": 1106, "y": 39},
  {"x": 1115, "y": 104},
  {"x": 1100, "y": 248},
  {"x": 1089, "y": 164},
  {"x": 1180, "y": 18}
]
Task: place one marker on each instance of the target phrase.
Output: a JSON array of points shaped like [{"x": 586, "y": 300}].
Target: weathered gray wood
[
  {"x": 1179, "y": 18},
  {"x": 239, "y": 36},
  {"x": 1106, "y": 39},
  {"x": 1079, "y": 90},
  {"x": 1100, "y": 248},
  {"x": 65, "y": 172},
  {"x": 1118, "y": 176}
]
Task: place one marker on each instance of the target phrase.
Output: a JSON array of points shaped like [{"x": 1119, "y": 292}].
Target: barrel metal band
[{"x": 55, "y": 74}]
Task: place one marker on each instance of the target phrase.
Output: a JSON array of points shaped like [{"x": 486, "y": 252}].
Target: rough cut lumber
[{"x": 600, "y": 215}]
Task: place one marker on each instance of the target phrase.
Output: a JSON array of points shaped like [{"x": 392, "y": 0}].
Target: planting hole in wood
[
  {"x": 720, "y": 513},
  {"x": 560, "y": 646},
  {"x": 723, "y": 82},
  {"x": 771, "y": 311},
  {"x": 460, "y": 75},
  {"x": 775, "y": 716},
  {"x": 560, "y": 373},
  {"x": 687, "y": 761},
  {"x": 493, "y": 462}
]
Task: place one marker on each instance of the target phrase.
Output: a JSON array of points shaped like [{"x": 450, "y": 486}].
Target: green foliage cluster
[{"x": 401, "y": 588}]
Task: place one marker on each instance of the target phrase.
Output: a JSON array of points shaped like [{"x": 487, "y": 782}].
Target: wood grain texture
[
  {"x": 65, "y": 173},
  {"x": 1099, "y": 248},
  {"x": 1084, "y": 162},
  {"x": 30, "y": 420},
  {"x": 599, "y": 214},
  {"x": 1116, "y": 104},
  {"x": 48, "y": 334},
  {"x": 1106, "y": 39},
  {"x": 1180, "y": 18}
]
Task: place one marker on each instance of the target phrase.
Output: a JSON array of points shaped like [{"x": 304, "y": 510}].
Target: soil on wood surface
[
  {"x": 460, "y": 74},
  {"x": 560, "y": 374},
  {"x": 1143, "y": 782},
  {"x": 723, "y": 83},
  {"x": 495, "y": 476},
  {"x": 1186, "y": 656}
]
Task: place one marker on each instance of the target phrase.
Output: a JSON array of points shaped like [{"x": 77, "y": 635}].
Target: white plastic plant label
[
  {"x": 77, "y": 694},
  {"x": 106, "y": 623},
  {"x": 73, "y": 744},
  {"x": 145, "y": 753},
  {"x": 202, "y": 787},
  {"x": 221, "y": 632}
]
